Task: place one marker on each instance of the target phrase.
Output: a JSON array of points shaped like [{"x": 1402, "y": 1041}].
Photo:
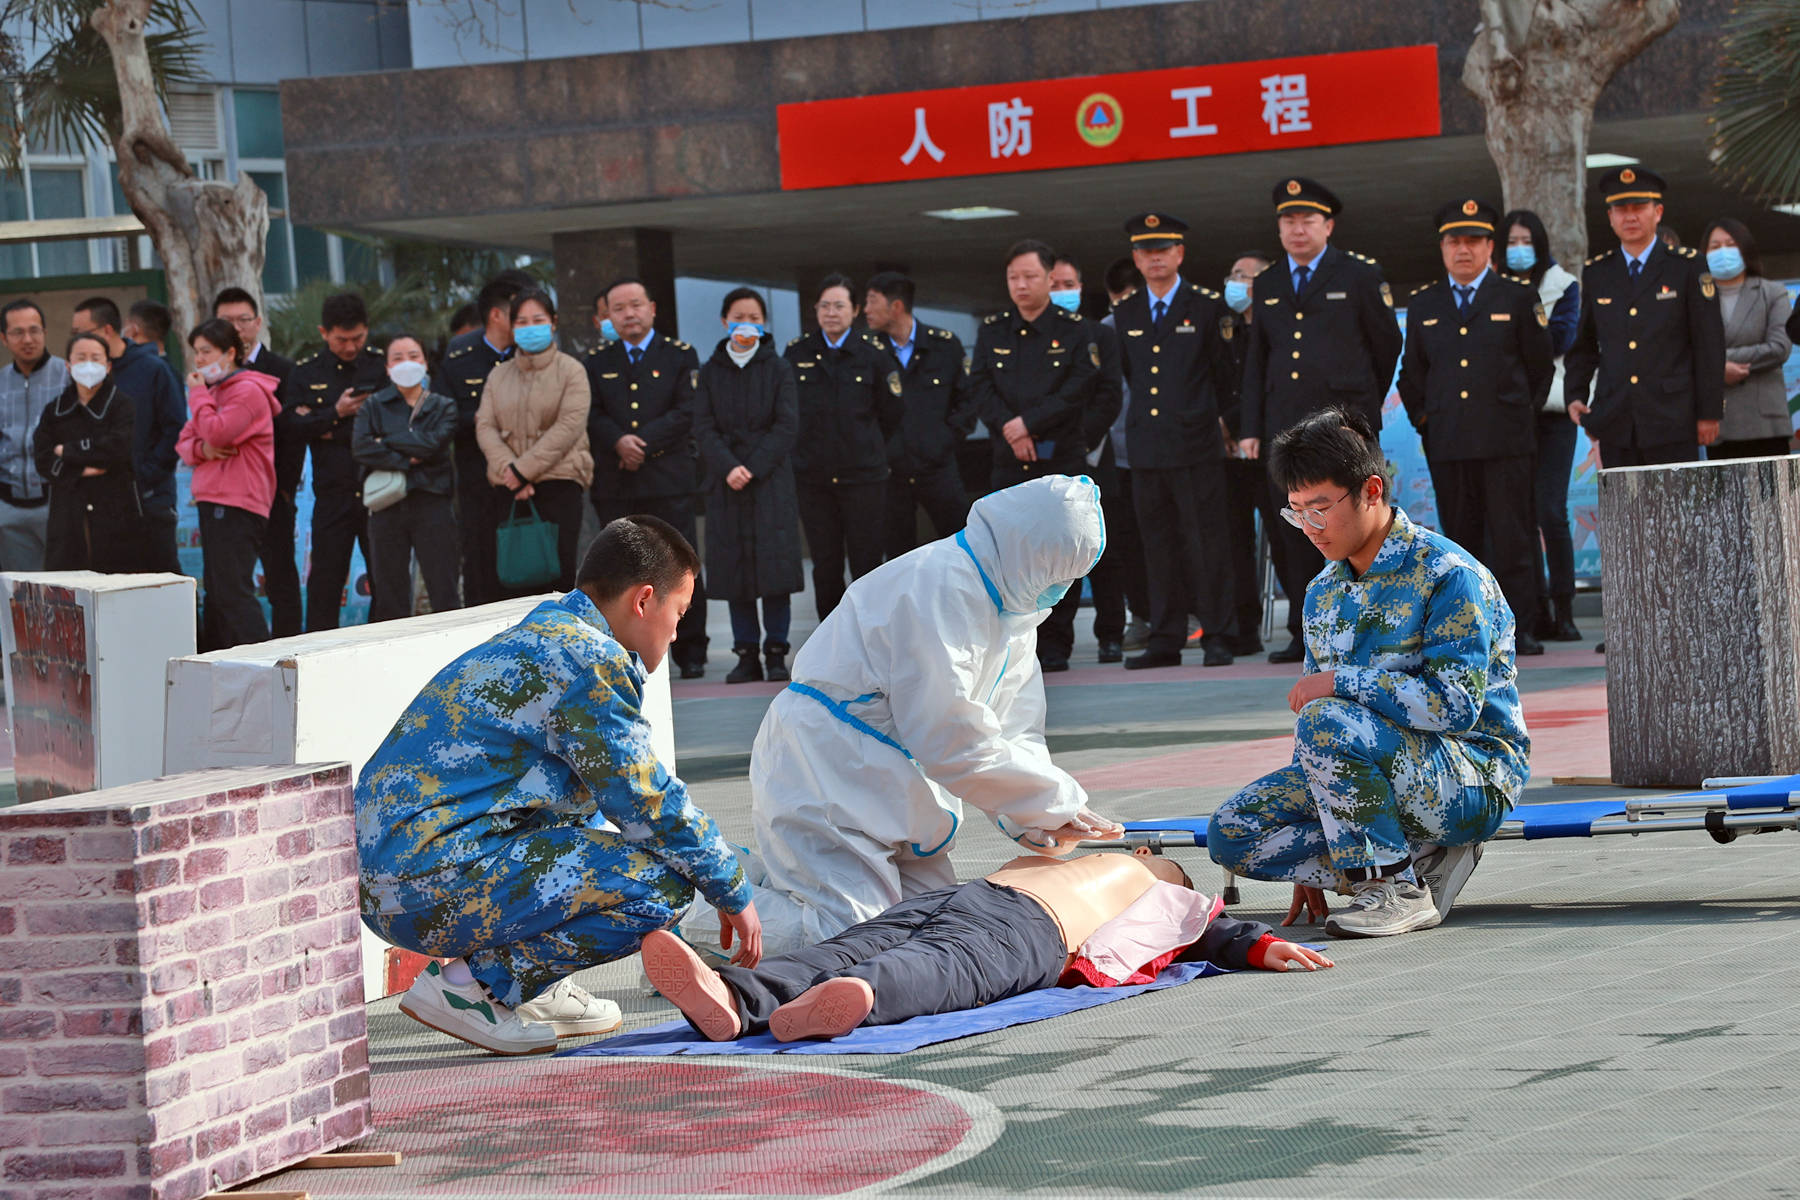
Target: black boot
[
  {"x": 1563, "y": 629},
  {"x": 1544, "y": 626},
  {"x": 749, "y": 668},
  {"x": 775, "y": 655}
]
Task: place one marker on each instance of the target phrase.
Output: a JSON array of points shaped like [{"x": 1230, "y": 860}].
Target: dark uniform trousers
[
  {"x": 340, "y": 524},
  {"x": 690, "y": 635},
  {"x": 843, "y": 522},
  {"x": 1488, "y": 507},
  {"x": 1118, "y": 579},
  {"x": 1614, "y": 455},
  {"x": 1245, "y": 486},
  {"x": 1185, "y": 551},
  {"x": 281, "y": 569},
  {"x": 940, "y": 493},
  {"x": 476, "y": 520}
]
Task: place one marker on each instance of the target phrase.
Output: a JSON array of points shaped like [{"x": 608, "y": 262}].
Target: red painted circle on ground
[{"x": 593, "y": 1128}]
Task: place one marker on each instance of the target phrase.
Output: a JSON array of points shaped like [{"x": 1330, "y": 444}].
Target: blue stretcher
[{"x": 1724, "y": 808}]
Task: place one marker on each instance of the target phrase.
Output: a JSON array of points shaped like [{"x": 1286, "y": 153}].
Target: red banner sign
[{"x": 1183, "y": 112}]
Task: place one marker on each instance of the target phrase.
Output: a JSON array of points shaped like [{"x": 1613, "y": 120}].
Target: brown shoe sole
[
  {"x": 690, "y": 985},
  {"x": 824, "y": 1010}
]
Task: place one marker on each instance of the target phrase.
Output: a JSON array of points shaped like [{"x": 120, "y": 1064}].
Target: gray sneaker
[
  {"x": 1382, "y": 908},
  {"x": 1445, "y": 869},
  {"x": 1137, "y": 637}
]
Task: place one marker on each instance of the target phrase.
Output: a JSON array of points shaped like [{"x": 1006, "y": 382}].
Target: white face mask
[
  {"x": 214, "y": 371},
  {"x": 407, "y": 374},
  {"x": 87, "y": 374}
]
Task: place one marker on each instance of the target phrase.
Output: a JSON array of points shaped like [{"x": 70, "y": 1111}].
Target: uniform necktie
[
  {"x": 1300, "y": 277},
  {"x": 1463, "y": 292},
  {"x": 635, "y": 353},
  {"x": 1156, "y": 312},
  {"x": 1636, "y": 268}
]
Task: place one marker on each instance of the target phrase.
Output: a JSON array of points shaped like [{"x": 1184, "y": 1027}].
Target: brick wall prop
[{"x": 181, "y": 1000}]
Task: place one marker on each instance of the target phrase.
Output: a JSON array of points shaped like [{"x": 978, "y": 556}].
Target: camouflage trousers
[
  {"x": 1361, "y": 791},
  {"x": 552, "y": 900}
]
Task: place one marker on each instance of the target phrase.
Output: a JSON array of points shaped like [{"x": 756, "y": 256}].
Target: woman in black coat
[
  {"x": 746, "y": 419},
  {"x": 82, "y": 447}
]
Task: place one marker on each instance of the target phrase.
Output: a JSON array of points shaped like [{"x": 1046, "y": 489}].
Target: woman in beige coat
[
  {"x": 532, "y": 428},
  {"x": 1755, "y": 311}
]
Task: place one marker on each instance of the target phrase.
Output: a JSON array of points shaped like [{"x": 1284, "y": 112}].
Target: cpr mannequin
[{"x": 1098, "y": 919}]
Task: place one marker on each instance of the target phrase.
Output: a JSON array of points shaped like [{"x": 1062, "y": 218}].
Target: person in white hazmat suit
[{"x": 918, "y": 694}]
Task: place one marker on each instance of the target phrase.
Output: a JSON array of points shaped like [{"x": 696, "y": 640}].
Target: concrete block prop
[
  {"x": 86, "y": 655},
  {"x": 180, "y": 1001},
  {"x": 1701, "y": 564},
  {"x": 333, "y": 696}
]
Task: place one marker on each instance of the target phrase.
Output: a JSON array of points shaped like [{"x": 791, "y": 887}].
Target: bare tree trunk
[
  {"x": 1702, "y": 573},
  {"x": 1538, "y": 67},
  {"x": 209, "y": 234}
]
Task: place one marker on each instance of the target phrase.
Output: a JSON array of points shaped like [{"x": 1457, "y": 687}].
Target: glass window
[
  {"x": 312, "y": 255},
  {"x": 278, "y": 261},
  {"x": 15, "y": 260},
  {"x": 361, "y": 263},
  {"x": 258, "y": 124},
  {"x": 57, "y": 192}
]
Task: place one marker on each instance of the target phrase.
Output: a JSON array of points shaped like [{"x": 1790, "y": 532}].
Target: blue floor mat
[{"x": 678, "y": 1037}]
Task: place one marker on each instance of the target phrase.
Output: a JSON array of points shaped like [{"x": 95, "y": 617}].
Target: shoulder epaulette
[
  {"x": 1689, "y": 252},
  {"x": 871, "y": 337},
  {"x": 457, "y": 353},
  {"x": 934, "y": 331},
  {"x": 1072, "y": 316},
  {"x": 798, "y": 340},
  {"x": 989, "y": 320},
  {"x": 679, "y": 344},
  {"x": 1603, "y": 254},
  {"x": 1207, "y": 292},
  {"x": 1362, "y": 258},
  {"x": 1514, "y": 280},
  {"x": 1422, "y": 287},
  {"x": 368, "y": 349}
]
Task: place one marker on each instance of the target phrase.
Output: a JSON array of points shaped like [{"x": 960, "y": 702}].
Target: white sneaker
[
  {"x": 572, "y": 1011},
  {"x": 1445, "y": 869},
  {"x": 466, "y": 1013},
  {"x": 1383, "y": 907}
]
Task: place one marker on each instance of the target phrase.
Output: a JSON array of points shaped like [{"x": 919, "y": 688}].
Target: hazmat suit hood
[{"x": 1033, "y": 539}]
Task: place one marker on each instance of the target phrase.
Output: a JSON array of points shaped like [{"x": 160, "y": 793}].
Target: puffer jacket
[{"x": 534, "y": 411}]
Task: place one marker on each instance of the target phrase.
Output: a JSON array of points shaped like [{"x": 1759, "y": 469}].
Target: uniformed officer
[
  {"x": 320, "y": 401},
  {"x": 1477, "y": 366},
  {"x": 462, "y": 375},
  {"x": 640, "y": 432},
  {"x": 1035, "y": 372},
  {"x": 1324, "y": 335},
  {"x": 1177, "y": 367},
  {"x": 939, "y": 413},
  {"x": 850, "y": 407},
  {"x": 1650, "y": 327},
  {"x": 1245, "y": 479}
]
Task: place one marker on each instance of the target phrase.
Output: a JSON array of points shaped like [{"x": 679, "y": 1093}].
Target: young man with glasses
[{"x": 1411, "y": 745}]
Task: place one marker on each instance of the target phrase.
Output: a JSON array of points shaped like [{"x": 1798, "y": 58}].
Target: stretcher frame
[{"x": 1723, "y": 808}]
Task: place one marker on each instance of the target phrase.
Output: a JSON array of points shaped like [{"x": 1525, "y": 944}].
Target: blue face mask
[
  {"x": 608, "y": 331},
  {"x": 1069, "y": 299},
  {"x": 1520, "y": 258},
  {"x": 1237, "y": 294},
  {"x": 1052, "y": 595},
  {"x": 1727, "y": 262},
  {"x": 533, "y": 338}
]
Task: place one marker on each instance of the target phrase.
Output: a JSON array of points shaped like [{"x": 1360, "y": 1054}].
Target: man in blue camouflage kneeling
[
  {"x": 517, "y": 822},
  {"x": 1411, "y": 745}
]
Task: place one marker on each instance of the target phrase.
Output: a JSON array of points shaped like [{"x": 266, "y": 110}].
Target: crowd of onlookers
[{"x": 474, "y": 460}]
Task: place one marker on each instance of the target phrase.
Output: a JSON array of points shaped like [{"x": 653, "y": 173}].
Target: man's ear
[{"x": 641, "y": 599}]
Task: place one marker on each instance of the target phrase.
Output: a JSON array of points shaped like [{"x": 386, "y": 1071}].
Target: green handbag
[{"x": 525, "y": 551}]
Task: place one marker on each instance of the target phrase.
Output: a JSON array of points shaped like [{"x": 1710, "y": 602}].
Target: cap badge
[
  {"x": 1628, "y": 176},
  {"x": 1469, "y": 207},
  {"x": 1293, "y": 187},
  {"x": 1152, "y": 221}
]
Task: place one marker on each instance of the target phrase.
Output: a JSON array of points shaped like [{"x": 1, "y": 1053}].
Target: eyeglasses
[
  {"x": 1315, "y": 517},
  {"x": 243, "y": 322}
]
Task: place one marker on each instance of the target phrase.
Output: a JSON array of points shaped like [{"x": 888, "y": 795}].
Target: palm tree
[
  {"x": 1756, "y": 121},
  {"x": 103, "y": 69}
]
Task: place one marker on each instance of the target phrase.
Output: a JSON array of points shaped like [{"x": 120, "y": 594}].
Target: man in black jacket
[
  {"x": 1324, "y": 335},
  {"x": 1177, "y": 367},
  {"x": 320, "y": 401},
  {"x": 1245, "y": 480},
  {"x": 462, "y": 375},
  {"x": 850, "y": 410},
  {"x": 1035, "y": 372},
  {"x": 281, "y": 569},
  {"x": 939, "y": 412},
  {"x": 640, "y": 431},
  {"x": 1650, "y": 328},
  {"x": 1477, "y": 366}
]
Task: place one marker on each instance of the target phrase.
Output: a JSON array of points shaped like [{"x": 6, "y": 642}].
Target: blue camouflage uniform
[
  {"x": 483, "y": 819},
  {"x": 1423, "y": 739}
]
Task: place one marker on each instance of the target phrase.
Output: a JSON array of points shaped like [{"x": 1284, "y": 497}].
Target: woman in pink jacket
[{"x": 229, "y": 440}]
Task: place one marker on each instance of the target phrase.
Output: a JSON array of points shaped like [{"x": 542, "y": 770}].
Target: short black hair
[
  {"x": 744, "y": 293},
  {"x": 1670, "y": 238},
  {"x": 236, "y": 295},
  {"x": 1333, "y": 445},
  {"x": 345, "y": 310},
  {"x": 405, "y": 335},
  {"x": 223, "y": 336},
  {"x": 18, "y": 306},
  {"x": 893, "y": 286},
  {"x": 497, "y": 292},
  {"x": 1063, "y": 258},
  {"x": 1044, "y": 253},
  {"x": 527, "y": 296},
  {"x": 1261, "y": 256},
  {"x": 1121, "y": 275},
  {"x": 465, "y": 317},
  {"x": 103, "y": 312},
  {"x": 87, "y": 336},
  {"x": 621, "y": 281},
  {"x": 153, "y": 319},
  {"x": 836, "y": 279},
  {"x": 1740, "y": 233},
  {"x": 633, "y": 551}
]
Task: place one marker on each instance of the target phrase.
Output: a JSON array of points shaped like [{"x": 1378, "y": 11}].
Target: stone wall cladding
[{"x": 180, "y": 984}]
